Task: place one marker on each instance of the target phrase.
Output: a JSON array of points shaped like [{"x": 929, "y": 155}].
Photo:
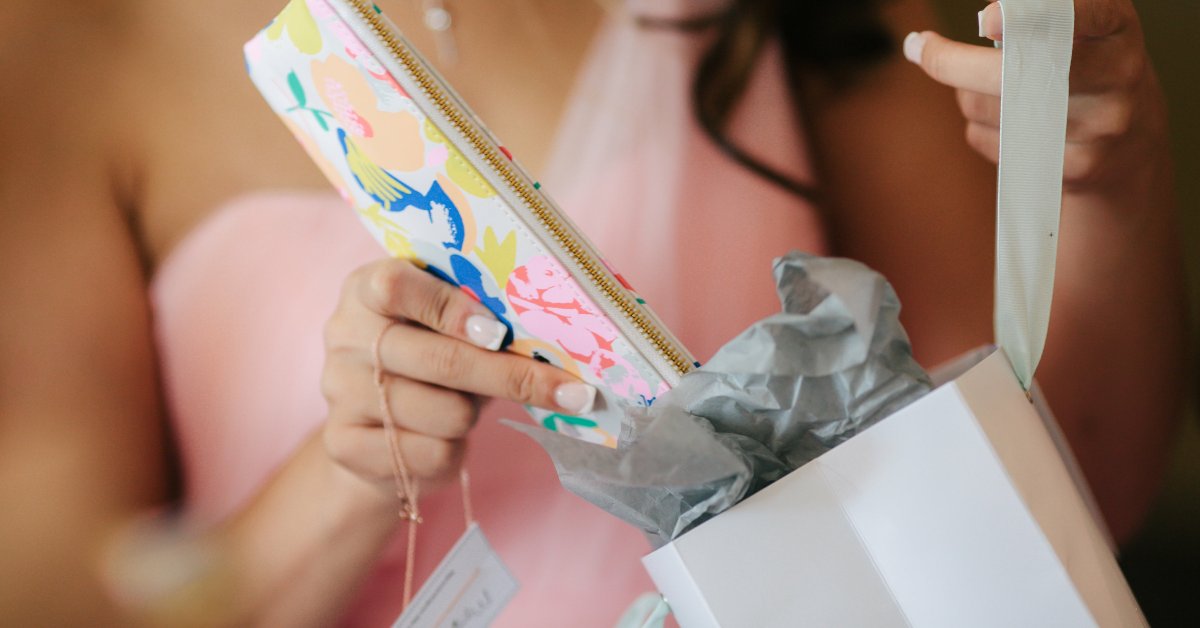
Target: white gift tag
[{"x": 469, "y": 588}]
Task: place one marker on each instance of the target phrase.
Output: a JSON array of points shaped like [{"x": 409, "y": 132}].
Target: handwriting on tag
[{"x": 468, "y": 589}]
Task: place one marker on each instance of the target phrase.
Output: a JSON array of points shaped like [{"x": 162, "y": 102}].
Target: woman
[{"x": 136, "y": 122}]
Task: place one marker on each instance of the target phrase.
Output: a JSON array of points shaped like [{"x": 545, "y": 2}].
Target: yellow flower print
[
  {"x": 398, "y": 244},
  {"x": 374, "y": 215},
  {"x": 301, "y": 27},
  {"x": 395, "y": 240},
  {"x": 499, "y": 257}
]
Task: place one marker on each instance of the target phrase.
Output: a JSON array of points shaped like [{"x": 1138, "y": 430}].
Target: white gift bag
[
  {"x": 959, "y": 510},
  {"x": 963, "y": 509}
]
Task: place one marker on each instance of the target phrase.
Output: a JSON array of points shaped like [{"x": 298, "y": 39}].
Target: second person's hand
[{"x": 1116, "y": 115}]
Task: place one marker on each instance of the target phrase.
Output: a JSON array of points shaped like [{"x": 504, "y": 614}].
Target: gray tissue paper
[{"x": 791, "y": 387}]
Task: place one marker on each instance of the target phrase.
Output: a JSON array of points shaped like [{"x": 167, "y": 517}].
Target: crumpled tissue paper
[{"x": 791, "y": 387}]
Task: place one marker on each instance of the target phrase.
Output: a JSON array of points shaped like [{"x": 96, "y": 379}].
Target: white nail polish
[
  {"x": 981, "y": 33},
  {"x": 486, "y": 332},
  {"x": 914, "y": 45},
  {"x": 576, "y": 398}
]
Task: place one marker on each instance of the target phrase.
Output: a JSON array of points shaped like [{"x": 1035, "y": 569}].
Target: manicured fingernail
[
  {"x": 991, "y": 21},
  {"x": 486, "y": 332},
  {"x": 575, "y": 398},
  {"x": 914, "y": 45}
]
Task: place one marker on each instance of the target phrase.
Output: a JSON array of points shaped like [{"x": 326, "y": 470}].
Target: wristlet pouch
[{"x": 433, "y": 185}]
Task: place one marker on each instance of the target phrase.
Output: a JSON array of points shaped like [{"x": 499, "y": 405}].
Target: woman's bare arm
[
  {"x": 910, "y": 197},
  {"x": 81, "y": 439}
]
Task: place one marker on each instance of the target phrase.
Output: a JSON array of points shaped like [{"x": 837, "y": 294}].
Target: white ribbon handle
[{"x": 1038, "y": 36}]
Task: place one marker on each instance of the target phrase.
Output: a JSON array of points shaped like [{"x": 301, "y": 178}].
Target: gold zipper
[{"x": 594, "y": 270}]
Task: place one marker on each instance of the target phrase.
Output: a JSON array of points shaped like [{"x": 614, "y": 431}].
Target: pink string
[{"x": 407, "y": 488}]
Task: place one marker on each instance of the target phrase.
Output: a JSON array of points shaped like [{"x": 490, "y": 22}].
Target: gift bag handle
[{"x": 1038, "y": 37}]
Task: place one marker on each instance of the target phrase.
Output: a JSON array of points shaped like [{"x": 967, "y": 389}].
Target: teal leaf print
[
  {"x": 551, "y": 422},
  {"x": 297, "y": 90},
  {"x": 302, "y": 101}
]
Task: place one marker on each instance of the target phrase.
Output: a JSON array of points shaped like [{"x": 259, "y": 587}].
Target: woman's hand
[
  {"x": 438, "y": 360},
  {"x": 1118, "y": 252},
  {"x": 1116, "y": 112}
]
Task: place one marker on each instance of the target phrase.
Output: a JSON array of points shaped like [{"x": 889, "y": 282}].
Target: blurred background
[{"x": 1163, "y": 563}]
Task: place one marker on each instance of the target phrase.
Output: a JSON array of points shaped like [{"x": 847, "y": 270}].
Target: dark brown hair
[{"x": 832, "y": 39}]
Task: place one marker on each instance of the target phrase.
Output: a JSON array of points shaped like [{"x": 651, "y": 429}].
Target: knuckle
[
  {"x": 338, "y": 445},
  {"x": 441, "y": 457},
  {"x": 979, "y": 139},
  {"x": 1130, "y": 70},
  {"x": 436, "y": 306},
  {"x": 1115, "y": 120},
  {"x": 934, "y": 62},
  {"x": 966, "y": 104},
  {"x": 349, "y": 448},
  {"x": 446, "y": 361},
  {"x": 1104, "y": 18},
  {"x": 522, "y": 384},
  {"x": 459, "y": 415},
  {"x": 331, "y": 332},
  {"x": 336, "y": 332},
  {"x": 974, "y": 106},
  {"x": 333, "y": 384},
  {"x": 361, "y": 274},
  {"x": 1081, "y": 166},
  {"x": 388, "y": 279},
  {"x": 343, "y": 341}
]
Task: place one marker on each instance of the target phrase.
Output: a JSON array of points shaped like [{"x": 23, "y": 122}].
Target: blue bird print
[{"x": 394, "y": 195}]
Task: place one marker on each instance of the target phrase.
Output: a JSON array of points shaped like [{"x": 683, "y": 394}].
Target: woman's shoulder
[{"x": 58, "y": 69}]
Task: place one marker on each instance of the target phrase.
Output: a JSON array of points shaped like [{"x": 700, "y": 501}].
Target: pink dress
[{"x": 241, "y": 303}]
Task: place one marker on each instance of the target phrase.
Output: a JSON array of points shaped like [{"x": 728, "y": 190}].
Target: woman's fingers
[
  {"x": 1090, "y": 118},
  {"x": 1102, "y": 18},
  {"x": 434, "y": 359},
  {"x": 397, "y": 289},
  {"x": 1093, "y": 18},
  {"x": 1108, "y": 50},
  {"x": 413, "y": 406},
  {"x": 364, "y": 450},
  {"x": 952, "y": 63},
  {"x": 443, "y": 353},
  {"x": 1083, "y": 162},
  {"x": 978, "y": 108},
  {"x": 1109, "y": 69},
  {"x": 1097, "y": 66},
  {"x": 985, "y": 140}
]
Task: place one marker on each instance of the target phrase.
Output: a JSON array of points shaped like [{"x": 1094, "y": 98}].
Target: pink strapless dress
[{"x": 241, "y": 303}]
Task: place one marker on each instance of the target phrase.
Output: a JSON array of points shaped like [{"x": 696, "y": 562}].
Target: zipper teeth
[{"x": 544, "y": 215}]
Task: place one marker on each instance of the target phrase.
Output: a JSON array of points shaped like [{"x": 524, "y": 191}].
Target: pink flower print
[
  {"x": 551, "y": 306},
  {"x": 359, "y": 52},
  {"x": 437, "y": 155},
  {"x": 343, "y": 110}
]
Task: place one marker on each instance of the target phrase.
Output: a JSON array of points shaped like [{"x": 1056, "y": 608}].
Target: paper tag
[{"x": 469, "y": 588}]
